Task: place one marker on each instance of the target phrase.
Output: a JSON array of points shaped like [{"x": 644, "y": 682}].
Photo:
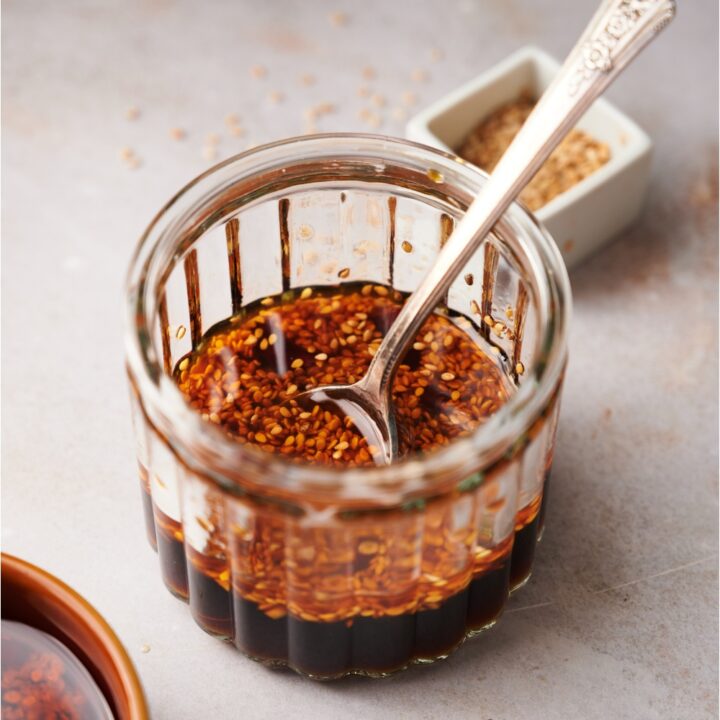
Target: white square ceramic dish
[{"x": 597, "y": 208}]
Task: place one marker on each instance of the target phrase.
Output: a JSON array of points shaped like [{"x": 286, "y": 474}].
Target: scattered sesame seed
[
  {"x": 132, "y": 113},
  {"x": 177, "y": 133},
  {"x": 306, "y": 293},
  {"x": 409, "y": 98},
  {"x": 469, "y": 279},
  {"x": 368, "y": 73},
  {"x": 258, "y": 71},
  {"x": 345, "y": 272},
  {"x": 447, "y": 376},
  {"x": 276, "y": 97},
  {"x": 297, "y": 363},
  {"x": 419, "y": 75},
  {"x": 338, "y": 19},
  {"x": 519, "y": 368},
  {"x": 307, "y": 79},
  {"x": 378, "y": 100},
  {"x": 180, "y": 332},
  {"x": 406, "y": 246},
  {"x": 145, "y": 648}
]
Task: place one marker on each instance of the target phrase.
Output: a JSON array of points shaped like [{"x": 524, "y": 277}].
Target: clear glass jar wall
[{"x": 363, "y": 571}]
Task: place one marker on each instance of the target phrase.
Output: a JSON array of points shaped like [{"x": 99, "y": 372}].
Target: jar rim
[{"x": 240, "y": 468}]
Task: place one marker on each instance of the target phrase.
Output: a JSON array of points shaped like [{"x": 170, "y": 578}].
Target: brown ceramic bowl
[{"x": 34, "y": 597}]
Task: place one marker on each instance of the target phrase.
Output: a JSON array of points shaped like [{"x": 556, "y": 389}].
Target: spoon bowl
[{"x": 371, "y": 416}]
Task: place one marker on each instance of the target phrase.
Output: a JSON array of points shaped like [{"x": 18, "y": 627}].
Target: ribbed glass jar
[{"x": 366, "y": 570}]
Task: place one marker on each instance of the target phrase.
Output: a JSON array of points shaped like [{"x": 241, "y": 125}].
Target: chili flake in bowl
[{"x": 60, "y": 659}]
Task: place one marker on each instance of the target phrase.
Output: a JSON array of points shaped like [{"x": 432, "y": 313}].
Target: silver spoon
[{"x": 615, "y": 35}]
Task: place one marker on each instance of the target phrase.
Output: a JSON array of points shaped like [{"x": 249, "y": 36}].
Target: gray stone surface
[{"x": 620, "y": 618}]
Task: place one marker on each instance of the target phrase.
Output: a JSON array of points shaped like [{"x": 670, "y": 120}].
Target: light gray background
[{"x": 620, "y": 618}]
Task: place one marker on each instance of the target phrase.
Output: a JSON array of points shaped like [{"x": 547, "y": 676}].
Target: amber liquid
[
  {"x": 375, "y": 645},
  {"x": 332, "y": 644},
  {"x": 248, "y": 370}
]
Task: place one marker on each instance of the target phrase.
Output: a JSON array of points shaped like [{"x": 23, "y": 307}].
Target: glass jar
[{"x": 362, "y": 570}]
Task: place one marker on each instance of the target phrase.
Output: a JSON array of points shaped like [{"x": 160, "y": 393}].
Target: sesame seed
[
  {"x": 338, "y": 19},
  {"x": 180, "y": 332},
  {"x": 258, "y": 71},
  {"x": 406, "y": 246},
  {"x": 409, "y": 98},
  {"x": 419, "y": 75}
]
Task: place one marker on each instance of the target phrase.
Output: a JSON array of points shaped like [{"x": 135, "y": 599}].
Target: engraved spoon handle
[{"x": 615, "y": 35}]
